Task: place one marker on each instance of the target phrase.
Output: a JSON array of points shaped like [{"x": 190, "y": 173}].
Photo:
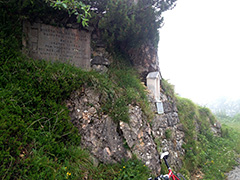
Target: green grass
[{"x": 213, "y": 155}]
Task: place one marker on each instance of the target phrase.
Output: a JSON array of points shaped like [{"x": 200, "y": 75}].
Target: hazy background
[{"x": 199, "y": 49}]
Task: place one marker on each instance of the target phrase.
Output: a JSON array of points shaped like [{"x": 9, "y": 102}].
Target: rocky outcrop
[
  {"x": 99, "y": 134},
  {"x": 145, "y": 59},
  {"x": 216, "y": 128},
  {"x": 100, "y": 64},
  {"x": 168, "y": 132},
  {"x": 110, "y": 142},
  {"x": 138, "y": 135}
]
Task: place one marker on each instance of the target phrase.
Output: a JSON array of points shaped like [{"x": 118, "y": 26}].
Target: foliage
[
  {"x": 133, "y": 169},
  {"x": 10, "y": 31},
  {"x": 124, "y": 24},
  {"x": 35, "y": 127},
  {"x": 224, "y": 118},
  {"x": 79, "y": 9},
  {"x": 121, "y": 23},
  {"x": 187, "y": 113},
  {"x": 58, "y": 12},
  {"x": 231, "y": 121},
  {"x": 168, "y": 88},
  {"x": 217, "y": 156}
]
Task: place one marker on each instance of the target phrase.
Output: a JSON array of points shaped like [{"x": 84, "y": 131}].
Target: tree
[{"x": 125, "y": 24}]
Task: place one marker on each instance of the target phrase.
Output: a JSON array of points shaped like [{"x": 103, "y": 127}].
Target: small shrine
[{"x": 153, "y": 84}]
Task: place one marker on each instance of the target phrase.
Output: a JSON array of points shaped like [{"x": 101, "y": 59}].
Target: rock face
[
  {"x": 216, "y": 129},
  {"x": 99, "y": 134},
  {"x": 145, "y": 59},
  {"x": 138, "y": 135},
  {"x": 100, "y": 64},
  {"x": 110, "y": 142}
]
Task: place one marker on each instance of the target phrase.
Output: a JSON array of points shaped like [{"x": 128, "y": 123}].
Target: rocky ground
[{"x": 235, "y": 173}]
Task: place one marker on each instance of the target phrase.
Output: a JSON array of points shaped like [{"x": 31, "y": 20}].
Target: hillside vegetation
[
  {"x": 206, "y": 152},
  {"x": 38, "y": 141},
  {"x": 227, "y": 112}
]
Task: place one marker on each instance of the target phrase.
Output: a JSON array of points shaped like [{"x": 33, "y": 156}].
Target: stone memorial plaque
[{"x": 47, "y": 42}]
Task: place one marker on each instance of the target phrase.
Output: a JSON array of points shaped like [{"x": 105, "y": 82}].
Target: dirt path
[{"x": 235, "y": 173}]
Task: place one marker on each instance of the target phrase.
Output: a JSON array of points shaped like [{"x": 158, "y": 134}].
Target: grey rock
[
  {"x": 235, "y": 173},
  {"x": 100, "y": 68},
  {"x": 138, "y": 137},
  {"x": 99, "y": 60},
  {"x": 105, "y": 138}
]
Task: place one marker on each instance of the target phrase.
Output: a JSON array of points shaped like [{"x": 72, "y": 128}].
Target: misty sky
[{"x": 199, "y": 49}]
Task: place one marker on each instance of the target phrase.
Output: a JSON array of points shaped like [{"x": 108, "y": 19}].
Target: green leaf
[
  {"x": 64, "y": 5},
  {"x": 78, "y": 19}
]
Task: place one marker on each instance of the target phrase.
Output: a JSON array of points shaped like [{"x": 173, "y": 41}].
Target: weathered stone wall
[
  {"x": 109, "y": 141},
  {"x": 47, "y": 42}
]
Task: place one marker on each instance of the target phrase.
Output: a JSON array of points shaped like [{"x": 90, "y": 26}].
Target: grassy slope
[
  {"x": 213, "y": 155},
  {"x": 36, "y": 134}
]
